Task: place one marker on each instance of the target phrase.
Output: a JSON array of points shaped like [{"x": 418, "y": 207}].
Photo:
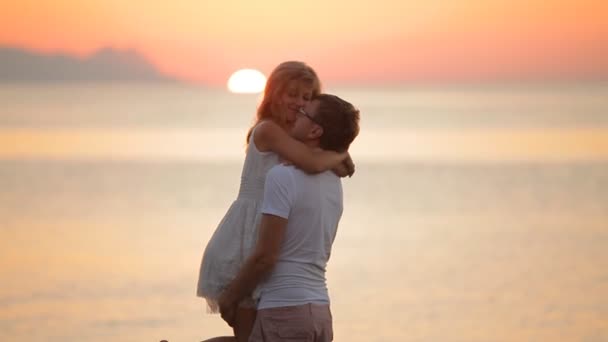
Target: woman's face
[{"x": 295, "y": 96}]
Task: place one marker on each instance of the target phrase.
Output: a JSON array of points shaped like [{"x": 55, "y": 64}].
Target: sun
[{"x": 246, "y": 81}]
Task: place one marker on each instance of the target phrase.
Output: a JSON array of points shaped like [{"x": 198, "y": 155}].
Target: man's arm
[{"x": 257, "y": 266}]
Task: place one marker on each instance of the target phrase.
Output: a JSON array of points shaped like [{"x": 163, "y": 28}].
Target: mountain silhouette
[{"x": 107, "y": 64}]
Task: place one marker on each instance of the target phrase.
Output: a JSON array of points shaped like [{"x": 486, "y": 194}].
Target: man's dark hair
[{"x": 340, "y": 122}]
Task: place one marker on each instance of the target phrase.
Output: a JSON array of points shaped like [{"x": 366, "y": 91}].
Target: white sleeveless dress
[{"x": 236, "y": 235}]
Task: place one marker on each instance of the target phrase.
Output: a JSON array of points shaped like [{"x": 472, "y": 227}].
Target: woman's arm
[{"x": 268, "y": 136}]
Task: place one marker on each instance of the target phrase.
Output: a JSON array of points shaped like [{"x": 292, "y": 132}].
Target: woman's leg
[{"x": 243, "y": 324}]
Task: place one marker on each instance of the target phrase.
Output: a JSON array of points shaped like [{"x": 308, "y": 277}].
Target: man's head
[{"x": 327, "y": 122}]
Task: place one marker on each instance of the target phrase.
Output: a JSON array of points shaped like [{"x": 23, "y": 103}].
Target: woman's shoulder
[
  {"x": 262, "y": 132},
  {"x": 265, "y": 126}
]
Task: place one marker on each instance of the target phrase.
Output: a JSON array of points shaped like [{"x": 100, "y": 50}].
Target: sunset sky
[{"x": 345, "y": 41}]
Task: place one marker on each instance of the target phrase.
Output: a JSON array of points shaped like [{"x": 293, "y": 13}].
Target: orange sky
[{"x": 346, "y": 41}]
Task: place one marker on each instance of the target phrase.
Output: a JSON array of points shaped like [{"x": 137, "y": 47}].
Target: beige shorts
[{"x": 308, "y": 322}]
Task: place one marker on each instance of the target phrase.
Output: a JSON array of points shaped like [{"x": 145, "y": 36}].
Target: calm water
[{"x": 497, "y": 245}]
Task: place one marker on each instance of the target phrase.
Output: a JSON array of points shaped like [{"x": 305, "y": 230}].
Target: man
[{"x": 299, "y": 222}]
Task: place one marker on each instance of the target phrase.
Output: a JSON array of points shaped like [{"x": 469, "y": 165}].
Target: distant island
[{"x": 107, "y": 64}]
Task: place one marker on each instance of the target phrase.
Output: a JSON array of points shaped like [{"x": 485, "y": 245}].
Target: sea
[{"x": 476, "y": 213}]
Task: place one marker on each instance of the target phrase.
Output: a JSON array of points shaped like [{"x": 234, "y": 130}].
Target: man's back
[{"x": 313, "y": 206}]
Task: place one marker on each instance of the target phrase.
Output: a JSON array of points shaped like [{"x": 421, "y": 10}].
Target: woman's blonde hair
[{"x": 277, "y": 83}]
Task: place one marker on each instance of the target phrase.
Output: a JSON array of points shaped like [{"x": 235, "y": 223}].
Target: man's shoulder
[
  {"x": 293, "y": 171},
  {"x": 280, "y": 171},
  {"x": 281, "y": 168},
  {"x": 289, "y": 174}
]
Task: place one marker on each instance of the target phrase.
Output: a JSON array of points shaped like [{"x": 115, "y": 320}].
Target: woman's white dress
[{"x": 236, "y": 235}]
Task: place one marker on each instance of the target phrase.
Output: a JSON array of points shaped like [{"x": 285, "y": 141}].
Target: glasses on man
[{"x": 310, "y": 117}]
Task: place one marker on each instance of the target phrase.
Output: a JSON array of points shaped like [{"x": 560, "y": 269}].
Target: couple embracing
[{"x": 264, "y": 267}]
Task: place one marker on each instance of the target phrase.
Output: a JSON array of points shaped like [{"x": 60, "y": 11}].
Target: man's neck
[{"x": 313, "y": 144}]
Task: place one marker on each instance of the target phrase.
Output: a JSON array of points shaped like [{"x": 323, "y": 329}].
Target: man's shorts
[{"x": 308, "y": 322}]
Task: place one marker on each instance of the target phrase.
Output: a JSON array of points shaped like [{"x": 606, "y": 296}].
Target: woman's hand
[
  {"x": 350, "y": 165},
  {"x": 346, "y": 168}
]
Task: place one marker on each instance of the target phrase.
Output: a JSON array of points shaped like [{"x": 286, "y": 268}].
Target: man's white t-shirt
[{"x": 313, "y": 205}]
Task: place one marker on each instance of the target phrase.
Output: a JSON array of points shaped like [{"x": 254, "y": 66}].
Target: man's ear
[{"x": 316, "y": 132}]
